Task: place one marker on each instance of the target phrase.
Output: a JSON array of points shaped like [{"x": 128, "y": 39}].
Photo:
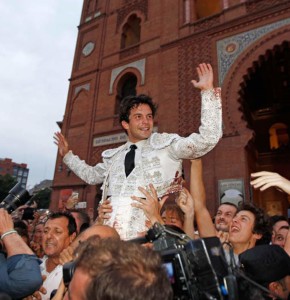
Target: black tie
[{"x": 129, "y": 160}]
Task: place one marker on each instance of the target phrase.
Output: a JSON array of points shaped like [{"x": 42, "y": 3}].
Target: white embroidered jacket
[{"x": 159, "y": 158}]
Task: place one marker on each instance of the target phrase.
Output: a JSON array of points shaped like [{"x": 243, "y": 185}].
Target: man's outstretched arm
[
  {"x": 210, "y": 130},
  {"x": 89, "y": 174},
  {"x": 197, "y": 189},
  {"x": 20, "y": 272}
]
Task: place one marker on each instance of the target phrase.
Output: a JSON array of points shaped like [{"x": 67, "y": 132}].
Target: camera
[
  {"x": 28, "y": 213},
  {"x": 67, "y": 272},
  {"x": 17, "y": 196},
  {"x": 197, "y": 269}
]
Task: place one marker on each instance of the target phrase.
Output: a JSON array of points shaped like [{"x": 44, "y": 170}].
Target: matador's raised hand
[
  {"x": 205, "y": 76},
  {"x": 61, "y": 143}
]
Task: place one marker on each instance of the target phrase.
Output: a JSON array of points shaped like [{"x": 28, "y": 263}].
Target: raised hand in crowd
[
  {"x": 223, "y": 236},
  {"x": 13, "y": 242},
  {"x": 151, "y": 205},
  {"x": 36, "y": 217},
  {"x": 104, "y": 211},
  {"x": 67, "y": 254},
  {"x": 264, "y": 179},
  {"x": 186, "y": 204},
  {"x": 37, "y": 249},
  {"x": 71, "y": 201},
  {"x": 61, "y": 143},
  {"x": 197, "y": 190}
]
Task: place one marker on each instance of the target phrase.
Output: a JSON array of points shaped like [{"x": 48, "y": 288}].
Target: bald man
[{"x": 103, "y": 231}]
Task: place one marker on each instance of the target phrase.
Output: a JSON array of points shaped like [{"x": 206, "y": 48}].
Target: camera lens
[
  {"x": 68, "y": 271},
  {"x": 17, "y": 196}
]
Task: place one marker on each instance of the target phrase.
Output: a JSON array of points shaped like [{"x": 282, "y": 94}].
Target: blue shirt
[{"x": 19, "y": 275}]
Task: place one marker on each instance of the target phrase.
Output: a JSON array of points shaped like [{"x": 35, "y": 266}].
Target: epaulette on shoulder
[
  {"x": 162, "y": 140},
  {"x": 111, "y": 152}
]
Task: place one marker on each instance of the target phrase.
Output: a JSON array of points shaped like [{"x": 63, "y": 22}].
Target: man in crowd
[
  {"x": 68, "y": 254},
  {"x": 147, "y": 157},
  {"x": 268, "y": 265},
  {"x": 59, "y": 231},
  {"x": 249, "y": 226},
  {"x": 223, "y": 218},
  {"x": 19, "y": 271},
  {"x": 36, "y": 242},
  {"x": 115, "y": 269},
  {"x": 280, "y": 230}
]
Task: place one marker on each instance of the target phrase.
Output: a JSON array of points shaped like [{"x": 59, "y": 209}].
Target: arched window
[
  {"x": 131, "y": 32},
  {"x": 126, "y": 87},
  {"x": 278, "y": 136}
]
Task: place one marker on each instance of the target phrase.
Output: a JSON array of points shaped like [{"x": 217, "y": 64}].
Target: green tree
[
  {"x": 42, "y": 198},
  {"x": 7, "y": 182}
]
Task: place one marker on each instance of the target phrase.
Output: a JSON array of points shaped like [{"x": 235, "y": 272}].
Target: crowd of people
[{"x": 65, "y": 255}]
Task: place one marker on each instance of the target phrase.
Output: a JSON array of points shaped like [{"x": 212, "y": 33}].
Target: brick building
[
  {"x": 153, "y": 47},
  {"x": 18, "y": 171}
]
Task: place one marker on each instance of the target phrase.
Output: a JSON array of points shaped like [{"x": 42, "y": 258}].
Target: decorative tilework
[{"x": 230, "y": 48}]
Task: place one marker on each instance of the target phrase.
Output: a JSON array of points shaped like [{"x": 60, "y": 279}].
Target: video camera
[
  {"x": 197, "y": 269},
  {"x": 17, "y": 196}
]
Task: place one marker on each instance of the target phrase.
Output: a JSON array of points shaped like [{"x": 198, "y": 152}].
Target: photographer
[{"x": 19, "y": 267}]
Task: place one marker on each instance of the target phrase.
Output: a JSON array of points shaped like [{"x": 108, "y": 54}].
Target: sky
[{"x": 38, "y": 39}]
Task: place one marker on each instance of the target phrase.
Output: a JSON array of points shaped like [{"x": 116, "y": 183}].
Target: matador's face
[{"x": 140, "y": 124}]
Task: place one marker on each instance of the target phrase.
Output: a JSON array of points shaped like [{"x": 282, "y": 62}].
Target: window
[
  {"x": 15, "y": 171},
  {"x": 131, "y": 32},
  {"x": 279, "y": 136},
  {"x": 126, "y": 87}
]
